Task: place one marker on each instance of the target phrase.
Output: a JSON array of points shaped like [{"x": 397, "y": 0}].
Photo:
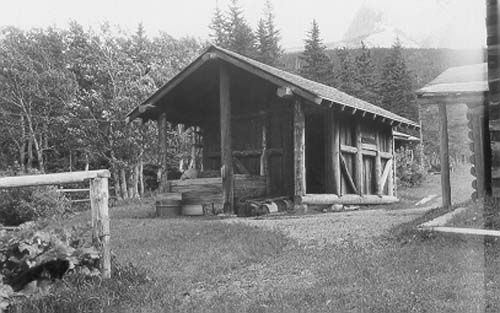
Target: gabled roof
[
  {"x": 315, "y": 92},
  {"x": 458, "y": 81}
]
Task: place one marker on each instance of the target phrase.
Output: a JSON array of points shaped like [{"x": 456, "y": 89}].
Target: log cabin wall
[
  {"x": 372, "y": 149},
  {"x": 261, "y": 133},
  {"x": 493, "y": 40}
]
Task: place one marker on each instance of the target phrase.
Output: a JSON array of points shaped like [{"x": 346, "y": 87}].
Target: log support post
[
  {"x": 378, "y": 165},
  {"x": 358, "y": 163},
  {"x": 299, "y": 135},
  {"x": 162, "y": 141},
  {"x": 99, "y": 197},
  {"x": 332, "y": 157},
  {"x": 445, "y": 162},
  {"x": 264, "y": 158},
  {"x": 391, "y": 178},
  {"x": 226, "y": 143}
]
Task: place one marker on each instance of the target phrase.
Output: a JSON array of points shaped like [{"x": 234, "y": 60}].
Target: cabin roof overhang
[
  {"x": 400, "y": 136},
  {"x": 311, "y": 91},
  {"x": 461, "y": 84}
]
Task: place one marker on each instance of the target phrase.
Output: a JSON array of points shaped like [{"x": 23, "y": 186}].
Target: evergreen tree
[
  {"x": 345, "y": 74},
  {"x": 366, "y": 76},
  {"x": 231, "y": 30},
  {"x": 269, "y": 50},
  {"x": 241, "y": 38},
  {"x": 219, "y": 28},
  {"x": 396, "y": 85},
  {"x": 316, "y": 63}
]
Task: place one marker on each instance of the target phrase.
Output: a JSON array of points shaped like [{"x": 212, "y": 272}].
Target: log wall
[
  {"x": 209, "y": 190},
  {"x": 493, "y": 41},
  {"x": 366, "y": 157},
  {"x": 268, "y": 153}
]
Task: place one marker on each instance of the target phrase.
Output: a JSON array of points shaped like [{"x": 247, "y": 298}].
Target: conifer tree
[
  {"x": 241, "y": 38},
  {"x": 231, "y": 30},
  {"x": 219, "y": 28},
  {"x": 396, "y": 85},
  {"x": 366, "y": 76},
  {"x": 345, "y": 74},
  {"x": 269, "y": 50},
  {"x": 316, "y": 63}
]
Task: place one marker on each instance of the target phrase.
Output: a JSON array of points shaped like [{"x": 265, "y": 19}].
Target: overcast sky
[{"x": 463, "y": 21}]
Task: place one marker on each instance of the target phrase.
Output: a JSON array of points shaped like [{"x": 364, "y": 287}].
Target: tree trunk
[
  {"x": 22, "y": 156},
  {"x": 29, "y": 164},
  {"x": 131, "y": 188},
  {"x": 123, "y": 184},
  {"x": 141, "y": 177},
  {"x": 39, "y": 155},
  {"x": 135, "y": 178},
  {"x": 70, "y": 161},
  {"x": 116, "y": 184},
  {"x": 87, "y": 162},
  {"x": 22, "y": 150}
]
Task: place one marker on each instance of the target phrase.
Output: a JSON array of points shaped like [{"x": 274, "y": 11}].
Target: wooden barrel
[
  {"x": 168, "y": 205},
  {"x": 192, "y": 208}
]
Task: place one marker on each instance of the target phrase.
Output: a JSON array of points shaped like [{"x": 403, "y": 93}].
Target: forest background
[{"x": 65, "y": 93}]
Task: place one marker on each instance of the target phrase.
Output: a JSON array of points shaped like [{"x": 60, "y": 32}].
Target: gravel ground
[{"x": 335, "y": 228}]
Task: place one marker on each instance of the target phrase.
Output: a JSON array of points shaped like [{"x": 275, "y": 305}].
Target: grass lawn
[
  {"x": 205, "y": 265},
  {"x": 201, "y": 265}
]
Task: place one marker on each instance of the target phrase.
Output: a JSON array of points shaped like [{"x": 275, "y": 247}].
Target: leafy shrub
[
  {"x": 37, "y": 244},
  {"x": 82, "y": 293},
  {"x": 20, "y": 205},
  {"x": 36, "y": 254},
  {"x": 408, "y": 171}
]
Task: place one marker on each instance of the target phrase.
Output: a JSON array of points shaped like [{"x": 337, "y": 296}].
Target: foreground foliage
[
  {"x": 25, "y": 204},
  {"x": 78, "y": 292},
  {"x": 37, "y": 253}
]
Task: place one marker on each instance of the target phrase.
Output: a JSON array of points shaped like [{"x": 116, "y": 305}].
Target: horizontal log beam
[
  {"x": 79, "y": 200},
  {"x": 52, "y": 179},
  {"x": 348, "y": 149},
  {"x": 248, "y": 153},
  {"x": 368, "y": 146},
  {"x": 350, "y": 199},
  {"x": 385, "y": 155},
  {"x": 462, "y": 231},
  {"x": 370, "y": 152},
  {"x": 73, "y": 190}
]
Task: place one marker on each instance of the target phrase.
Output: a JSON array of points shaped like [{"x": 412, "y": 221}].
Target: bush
[
  {"x": 81, "y": 293},
  {"x": 408, "y": 171},
  {"x": 21, "y": 205},
  {"x": 36, "y": 244}
]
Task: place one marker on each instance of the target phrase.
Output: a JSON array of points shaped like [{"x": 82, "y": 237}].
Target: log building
[
  {"x": 273, "y": 133},
  {"x": 463, "y": 85}
]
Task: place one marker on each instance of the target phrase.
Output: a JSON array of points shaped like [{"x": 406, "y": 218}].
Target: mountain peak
[{"x": 369, "y": 27}]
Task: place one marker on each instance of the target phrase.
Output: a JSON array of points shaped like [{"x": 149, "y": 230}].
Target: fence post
[{"x": 99, "y": 196}]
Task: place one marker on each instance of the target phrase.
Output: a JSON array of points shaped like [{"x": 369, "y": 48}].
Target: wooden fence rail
[{"x": 99, "y": 198}]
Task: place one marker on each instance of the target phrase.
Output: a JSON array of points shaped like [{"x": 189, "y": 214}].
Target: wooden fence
[{"x": 99, "y": 197}]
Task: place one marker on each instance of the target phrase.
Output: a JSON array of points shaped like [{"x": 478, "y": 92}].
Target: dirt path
[{"x": 335, "y": 228}]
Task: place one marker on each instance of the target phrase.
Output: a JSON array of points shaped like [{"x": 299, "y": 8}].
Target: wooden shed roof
[
  {"x": 404, "y": 136},
  {"x": 310, "y": 90},
  {"x": 468, "y": 79}
]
